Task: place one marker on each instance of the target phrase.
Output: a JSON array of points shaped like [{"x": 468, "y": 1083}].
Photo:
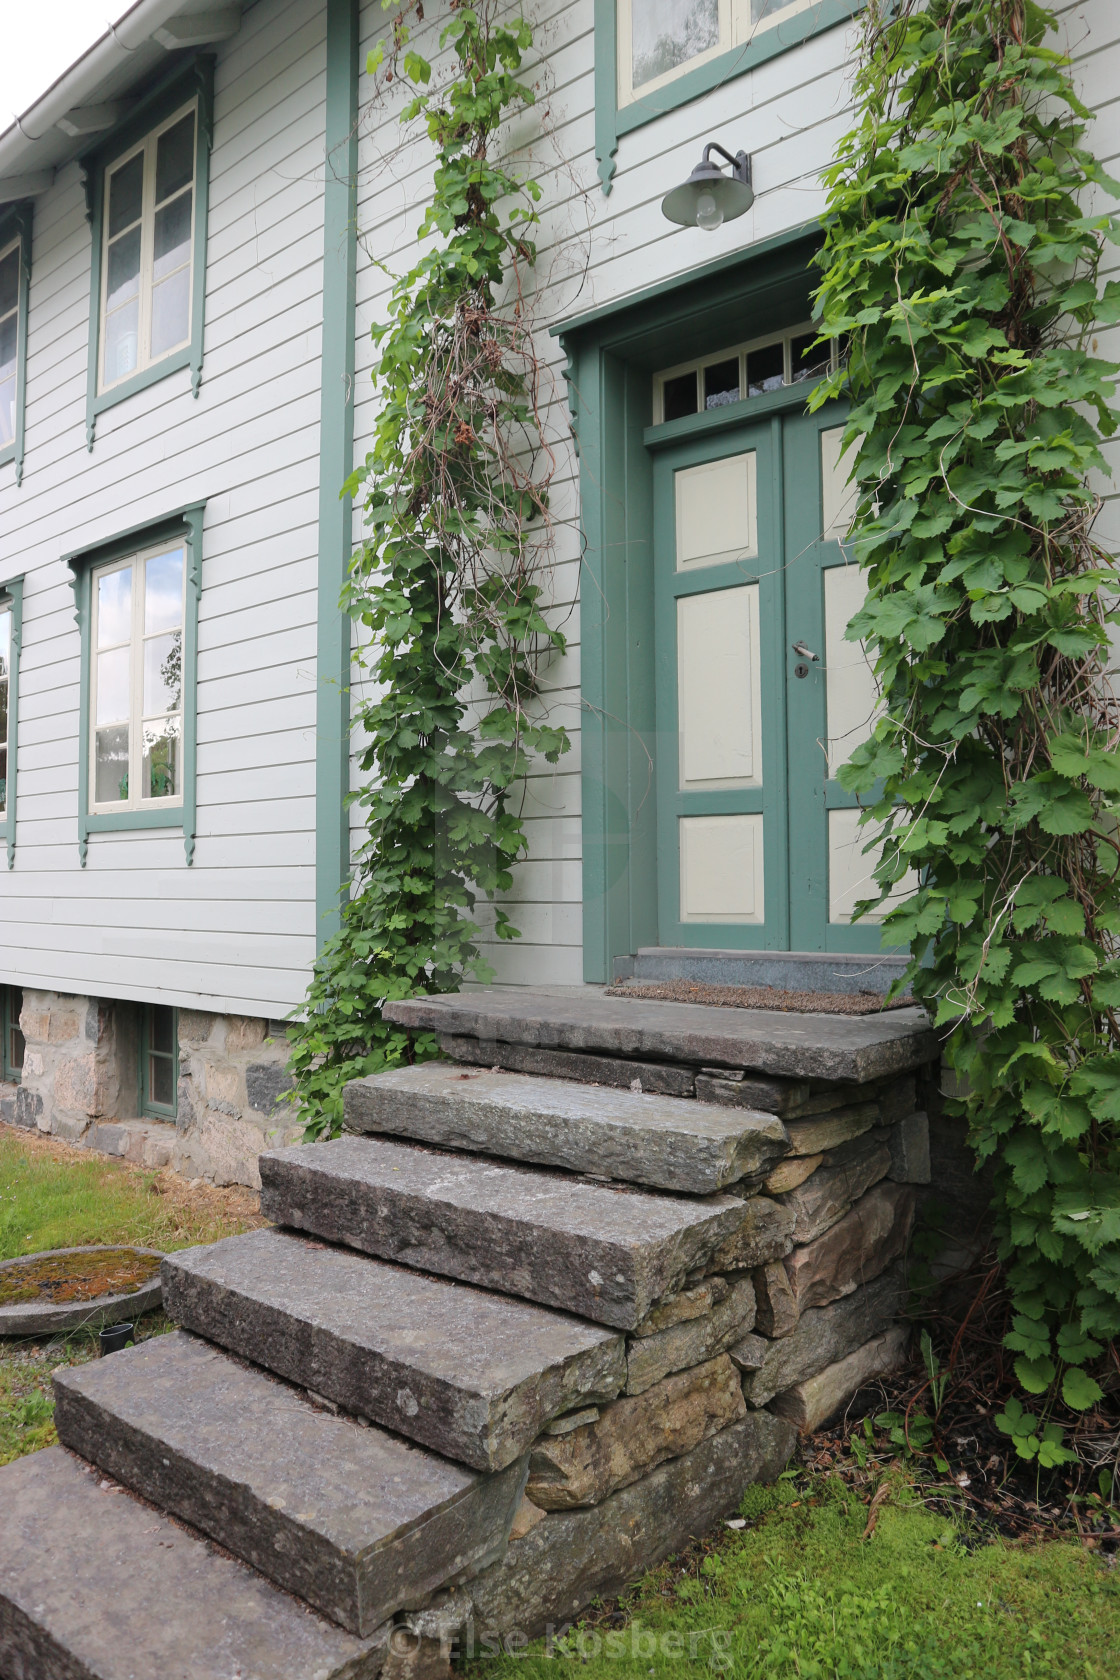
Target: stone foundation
[{"x": 81, "y": 1083}]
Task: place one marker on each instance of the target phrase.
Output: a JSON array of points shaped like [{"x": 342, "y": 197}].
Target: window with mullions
[
  {"x": 735, "y": 375},
  {"x": 159, "y": 1061},
  {"x": 14, "y": 1046},
  {"x": 9, "y": 340},
  {"x": 5, "y": 685},
  {"x": 148, "y": 240},
  {"x": 662, "y": 39},
  {"x": 136, "y": 682}
]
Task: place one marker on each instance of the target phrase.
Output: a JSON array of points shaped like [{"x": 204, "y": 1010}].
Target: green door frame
[{"x": 612, "y": 356}]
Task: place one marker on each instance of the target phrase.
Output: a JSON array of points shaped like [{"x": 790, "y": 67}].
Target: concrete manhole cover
[{"x": 66, "y": 1288}]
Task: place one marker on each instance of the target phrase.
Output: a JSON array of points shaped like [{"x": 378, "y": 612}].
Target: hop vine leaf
[{"x": 961, "y": 272}]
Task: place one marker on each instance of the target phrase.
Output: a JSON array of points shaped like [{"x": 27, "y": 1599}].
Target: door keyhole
[{"x": 801, "y": 669}]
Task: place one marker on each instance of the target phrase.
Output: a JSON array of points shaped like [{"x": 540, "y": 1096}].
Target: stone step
[
  {"x": 794, "y": 1046},
  {"x": 95, "y": 1585},
  {"x": 789, "y": 971},
  {"x": 672, "y": 1143},
  {"x": 353, "y": 1520},
  {"x": 472, "y": 1374},
  {"x": 600, "y": 1250}
]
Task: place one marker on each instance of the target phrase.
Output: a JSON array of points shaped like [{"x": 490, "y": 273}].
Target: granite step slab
[
  {"x": 351, "y": 1519},
  {"x": 96, "y": 1585},
  {"x": 604, "y": 1251},
  {"x": 794, "y": 1046},
  {"x": 472, "y": 1374},
  {"x": 669, "y": 1143},
  {"x": 661, "y": 1078}
]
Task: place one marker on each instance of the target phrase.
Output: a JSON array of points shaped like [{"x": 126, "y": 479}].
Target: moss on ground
[
  {"x": 800, "y": 1594},
  {"x": 53, "y": 1195}
]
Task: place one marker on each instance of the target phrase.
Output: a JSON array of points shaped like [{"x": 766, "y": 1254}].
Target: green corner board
[
  {"x": 185, "y": 523},
  {"x": 612, "y": 122},
  {"x": 336, "y": 450},
  {"x": 11, "y": 596},
  {"x": 194, "y": 81},
  {"x": 15, "y": 223}
]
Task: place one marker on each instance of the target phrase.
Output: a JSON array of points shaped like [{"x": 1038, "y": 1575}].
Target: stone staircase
[{"x": 540, "y": 1315}]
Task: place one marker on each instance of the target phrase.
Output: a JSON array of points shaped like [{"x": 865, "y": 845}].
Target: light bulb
[{"x": 709, "y": 216}]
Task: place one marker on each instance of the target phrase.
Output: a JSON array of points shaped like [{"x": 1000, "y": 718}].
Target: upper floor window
[
  {"x": 661, "y": 39},
  {"x": 5, "y": 684},
  {"x": 136, "y": 699},
  {"x": 9, "y": 341},
  {"x": 148, "y": 241}
]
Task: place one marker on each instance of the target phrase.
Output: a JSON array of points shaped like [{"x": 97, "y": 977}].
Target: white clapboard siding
[{"x": 236, "y": 931}]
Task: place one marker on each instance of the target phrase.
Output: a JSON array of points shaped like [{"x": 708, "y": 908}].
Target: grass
[
  {"x": 800, "y": 1594},
  {"x": 53, "y": 1195}
]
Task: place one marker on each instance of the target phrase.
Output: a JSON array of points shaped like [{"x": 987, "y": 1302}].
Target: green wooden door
[{"x": 757, "y": 844}]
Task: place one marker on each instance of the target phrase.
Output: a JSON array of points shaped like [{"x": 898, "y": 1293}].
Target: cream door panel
[
  {"x": 839, "y": 499},
  {"x": 721, "y": 869},
  {"x": 851, "y": 870},
  {"x": 851, "y": 692},
  {"x": 718, "y": 689},
  {"x": 716, "y": 512}
]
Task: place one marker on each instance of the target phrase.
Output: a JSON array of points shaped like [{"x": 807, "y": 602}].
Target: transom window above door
[
  {"x": 662, "y": 39},
  {"x": 744, "y": 371},
  {"x": 136, "y": 708},
  {"x": 148, "y": 241}
]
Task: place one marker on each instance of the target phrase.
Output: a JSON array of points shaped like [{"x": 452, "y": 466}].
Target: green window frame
[
  {"x": 171, "y": 99},
  {"x": 159, "y": 1061},
  {"x": 184, "y": 527},
  {"x": 11, "y": 638},
  {"x": 14, "y": 1045},
  {"x": 616, "y": 116},
  {"x": 15, "y": 260}
]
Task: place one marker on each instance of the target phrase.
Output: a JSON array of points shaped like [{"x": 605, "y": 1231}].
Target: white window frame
[
  {"x": 6, "y": 737},
  {"x": 735, "y": 30},
  {"x": 135, "y": 800},
  {"x": 742, "y": 351},
  {"x": 147, "y": 146}
]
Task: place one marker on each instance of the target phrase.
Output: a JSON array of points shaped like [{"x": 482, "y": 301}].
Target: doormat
[{"x": 759, "y": 997}]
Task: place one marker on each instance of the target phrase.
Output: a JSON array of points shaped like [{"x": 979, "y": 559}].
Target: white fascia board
[{"x": 34, "y": 139}]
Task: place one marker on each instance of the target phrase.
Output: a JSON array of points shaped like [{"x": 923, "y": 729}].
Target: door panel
[
  {"x": 720, "y": 703},
  {"x": 719, "y": 712}
]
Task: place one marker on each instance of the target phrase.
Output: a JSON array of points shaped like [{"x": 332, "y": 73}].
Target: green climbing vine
[
  {"x": 962, "y": 257},
  {"x": 448, "y": 585}
]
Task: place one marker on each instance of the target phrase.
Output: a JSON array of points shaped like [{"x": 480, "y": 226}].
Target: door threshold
[{"x": 793, "y": 971}]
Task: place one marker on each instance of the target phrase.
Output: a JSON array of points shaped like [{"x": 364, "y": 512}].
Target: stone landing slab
[{"x": 802, "y": 1046}]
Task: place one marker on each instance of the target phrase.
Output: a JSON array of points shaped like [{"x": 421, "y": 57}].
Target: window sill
[
  {"x": 114, "y": 822},
  {"x": 140, "y": 382},
  {"x": 613, "y": 121}
]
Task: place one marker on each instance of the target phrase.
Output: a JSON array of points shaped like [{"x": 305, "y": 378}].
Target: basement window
[
  {"x": 14, "y": 1045},
  {"x": 159, "y": 1061}
]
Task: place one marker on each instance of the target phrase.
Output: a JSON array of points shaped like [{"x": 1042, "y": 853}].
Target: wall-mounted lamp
[{"x": 709, "y": 197}]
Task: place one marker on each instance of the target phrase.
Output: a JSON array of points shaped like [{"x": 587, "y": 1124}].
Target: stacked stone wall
[{"x": 81, "y": 1083}]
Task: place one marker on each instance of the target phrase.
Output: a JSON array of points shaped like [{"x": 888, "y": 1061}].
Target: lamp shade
[{"x": 709, "y": 197}]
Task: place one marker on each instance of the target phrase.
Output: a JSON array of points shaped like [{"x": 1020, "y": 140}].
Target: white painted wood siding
[{"x": 236, "y": 930}]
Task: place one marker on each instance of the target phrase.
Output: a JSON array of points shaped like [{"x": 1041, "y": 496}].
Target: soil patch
[
  {"x": 759, "y": 997},
  {"x": 58, "y": 1278}
]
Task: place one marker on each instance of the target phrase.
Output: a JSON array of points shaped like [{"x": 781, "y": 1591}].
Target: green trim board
[
  {"x": 15, "y": 223},
  {"x": 612, "y": 357},
  {"x": 11, "y": 596},
  {"x": 195, "y": 81},
  {"x": 336, "y": 459},
  {"x": 613, "y": 121},
  {"x": 185, "y": 524}
]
